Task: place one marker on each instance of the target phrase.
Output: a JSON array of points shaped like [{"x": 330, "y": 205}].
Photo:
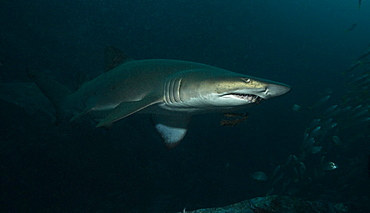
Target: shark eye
[{"x": 247, "y": 80}]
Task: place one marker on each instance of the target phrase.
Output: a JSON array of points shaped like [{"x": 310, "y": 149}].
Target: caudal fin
[
  {"x": 53, "y": 90},
  {"x": 27, "y": 96}
]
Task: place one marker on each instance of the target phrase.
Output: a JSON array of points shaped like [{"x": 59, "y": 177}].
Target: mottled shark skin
[{"x": 171, "y": 90}]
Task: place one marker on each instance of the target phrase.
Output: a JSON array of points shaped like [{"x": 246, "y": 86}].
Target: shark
[{"x": 171, "y": 91}]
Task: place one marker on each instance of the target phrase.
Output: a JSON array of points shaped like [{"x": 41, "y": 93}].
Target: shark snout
[{"x": 274, "y": 90}]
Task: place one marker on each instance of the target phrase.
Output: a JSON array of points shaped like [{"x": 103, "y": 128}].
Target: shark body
[{"x": 171, "y": 90}]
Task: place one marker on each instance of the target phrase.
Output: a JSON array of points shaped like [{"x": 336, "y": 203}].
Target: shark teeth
[{"x": 249, "y": 97}]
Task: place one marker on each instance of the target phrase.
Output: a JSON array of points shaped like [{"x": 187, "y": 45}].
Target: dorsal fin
[
  {"x": 81, "y": 79},
  {"x": 114, "y": 57}
]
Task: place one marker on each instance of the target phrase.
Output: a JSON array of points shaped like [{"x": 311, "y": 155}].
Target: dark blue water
[{"x": 76, "y": 167}]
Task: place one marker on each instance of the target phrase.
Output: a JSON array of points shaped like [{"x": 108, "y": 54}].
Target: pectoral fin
[
  {"x": 125, "y": 109},
  {"x": 172, "y": 128}
]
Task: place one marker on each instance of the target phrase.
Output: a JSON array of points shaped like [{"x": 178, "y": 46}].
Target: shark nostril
[{"x": 266, "y": 91}]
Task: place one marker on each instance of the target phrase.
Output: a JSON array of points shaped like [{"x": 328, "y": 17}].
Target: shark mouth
[{"x": 249, "y": 97}]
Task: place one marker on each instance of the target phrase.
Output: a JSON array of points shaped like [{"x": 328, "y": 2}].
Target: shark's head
[
  {"x": 241, "y": 90},
  {"x": 225, "y": 89},
  {"x": 250, "y": 89}
]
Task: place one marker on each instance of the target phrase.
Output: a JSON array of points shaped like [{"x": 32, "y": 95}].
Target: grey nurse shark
[{"x": 170, "y": 90}]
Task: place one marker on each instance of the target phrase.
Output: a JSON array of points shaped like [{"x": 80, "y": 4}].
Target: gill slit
[
  {"x": 167, "y": 92},
  {"x": 178, "y": 90},
  {"x": 171, "y": 92}
]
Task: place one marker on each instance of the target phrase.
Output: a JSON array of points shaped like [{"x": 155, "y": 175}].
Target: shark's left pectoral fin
[
  {"x": 172, "y": 128},
  {"x": 125, "y": 109}
]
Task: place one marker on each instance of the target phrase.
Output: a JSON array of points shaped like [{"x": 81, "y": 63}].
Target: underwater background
[{"x": 320, "y": 48}]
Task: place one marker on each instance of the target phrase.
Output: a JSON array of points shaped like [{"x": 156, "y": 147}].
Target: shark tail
[{"x": 52, "y": 89}]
